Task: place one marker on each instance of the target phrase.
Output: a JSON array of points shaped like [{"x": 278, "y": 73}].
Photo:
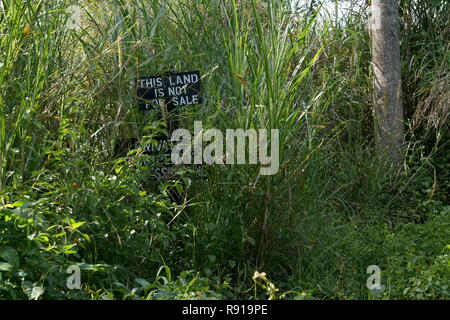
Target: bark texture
[{"x": 388, "y": 108}]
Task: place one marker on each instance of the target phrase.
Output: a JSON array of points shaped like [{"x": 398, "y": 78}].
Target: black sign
[{"x": 175, "y": 89}]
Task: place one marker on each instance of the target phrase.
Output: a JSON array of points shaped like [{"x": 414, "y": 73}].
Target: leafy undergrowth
[
  {"x": 132, "y": 240},
  {"x": 129, "y": 251}
]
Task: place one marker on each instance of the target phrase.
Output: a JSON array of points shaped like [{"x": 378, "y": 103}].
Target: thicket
[{"x": 68, "y": 198}]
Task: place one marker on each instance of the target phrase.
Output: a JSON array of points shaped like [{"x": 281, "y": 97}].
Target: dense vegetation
[{"x": 68, "y": 197}]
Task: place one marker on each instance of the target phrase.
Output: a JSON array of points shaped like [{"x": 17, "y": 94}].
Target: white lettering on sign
[
  {"x": 177, "y": 89},
  {"x": 183, "y": 79},
  {"x": 185, "y": 101},
  {"x": 150, "y": 82}
]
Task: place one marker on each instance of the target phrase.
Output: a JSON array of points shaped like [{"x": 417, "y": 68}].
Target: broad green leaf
[
  {"x": 86, "y": 237},
  {"x": 5, "y": 266},
  {"x": 10, "y": 255},
  {"x": 68, "y": 249},
  {"x": 76, "y": 225},
  {"x": 19, "y": 203},
  {"x": 142, "y": 282},
  {"x": 179, "y": 188}
]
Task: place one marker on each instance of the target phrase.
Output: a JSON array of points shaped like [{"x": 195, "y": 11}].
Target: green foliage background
[{"x": 68, "y": 198}]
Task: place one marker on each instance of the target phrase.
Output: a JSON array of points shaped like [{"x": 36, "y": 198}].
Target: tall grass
[
  {"x": 27, "y": 66},
  {"x": 426, "y": 66}
]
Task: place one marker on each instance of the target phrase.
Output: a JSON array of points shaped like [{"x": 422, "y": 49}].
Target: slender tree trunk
[{"x": 388, "y": 107}]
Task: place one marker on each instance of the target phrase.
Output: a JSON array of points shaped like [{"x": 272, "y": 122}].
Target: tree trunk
[{"x": 388, "y": 107}]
